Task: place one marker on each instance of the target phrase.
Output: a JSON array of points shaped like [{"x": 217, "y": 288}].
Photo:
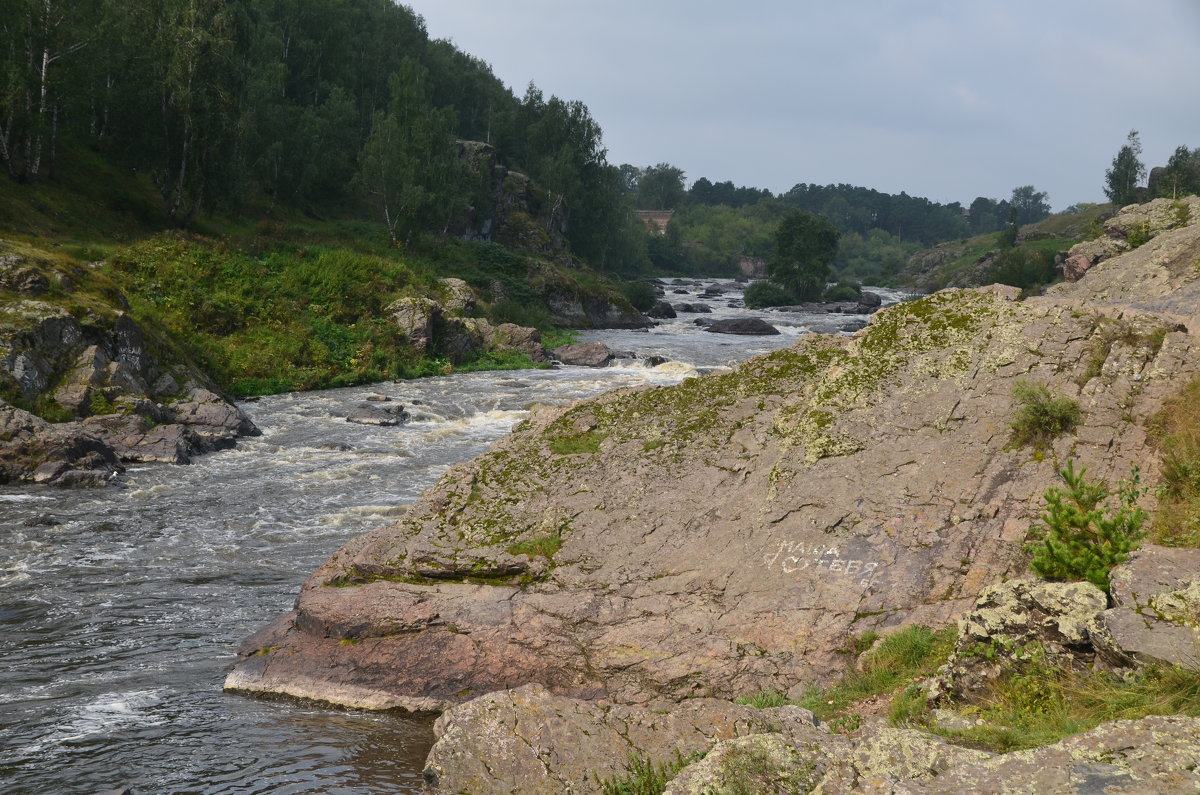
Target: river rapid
[{"x": 121, "y": 608}]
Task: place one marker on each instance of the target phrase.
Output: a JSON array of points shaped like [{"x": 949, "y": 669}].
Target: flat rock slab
[
  {"x": 1151, "y": 571},
  {"x": 1147, "y": 640}
]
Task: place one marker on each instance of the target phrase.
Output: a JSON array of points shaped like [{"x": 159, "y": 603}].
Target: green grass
[
  {"x": 900, "y": 658},
  {"x": 644, "y": 776},
  {"x": 1042, "y": 705},
  {"x": 586, "y": 442}
]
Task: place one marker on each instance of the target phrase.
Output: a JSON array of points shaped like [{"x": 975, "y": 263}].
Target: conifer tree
[{"x": 1079, "y": 539}]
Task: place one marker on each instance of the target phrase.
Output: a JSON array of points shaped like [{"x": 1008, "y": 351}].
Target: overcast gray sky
[{"x": 949, "y": 99}]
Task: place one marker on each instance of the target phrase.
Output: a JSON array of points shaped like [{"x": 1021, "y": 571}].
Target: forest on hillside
[{"x": 321, "y": 106}]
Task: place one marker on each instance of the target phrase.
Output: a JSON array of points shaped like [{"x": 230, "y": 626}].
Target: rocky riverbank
[
  {"x": 70, "y": 352},
  {"x": 733, "y": 533}
]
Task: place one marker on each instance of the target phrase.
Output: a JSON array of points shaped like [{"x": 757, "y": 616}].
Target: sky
[{"x": 947, "y": 99}]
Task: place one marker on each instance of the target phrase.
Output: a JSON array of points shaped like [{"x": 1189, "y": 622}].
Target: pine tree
[{"x": 1078, "y": 539}]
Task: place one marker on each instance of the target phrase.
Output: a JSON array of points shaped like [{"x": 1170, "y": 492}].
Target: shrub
[
  {"x": 1041, "y": 417},
  {"x": 760, "y": 294},
  {"x": 1079, "y": 539},
  {"x": 640, "y": 294},
  {"x": 843, "y": 291},
  {"x": 1027, "y": 268}
]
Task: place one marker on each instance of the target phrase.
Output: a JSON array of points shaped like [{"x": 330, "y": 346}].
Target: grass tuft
[{"x": 1041, "y": 417}]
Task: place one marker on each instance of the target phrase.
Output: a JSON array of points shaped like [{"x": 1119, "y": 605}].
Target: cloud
[{"x": 940, "y": 98}]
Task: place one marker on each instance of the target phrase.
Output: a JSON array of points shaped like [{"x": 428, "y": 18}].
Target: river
[{"x": 121, "y": 608}]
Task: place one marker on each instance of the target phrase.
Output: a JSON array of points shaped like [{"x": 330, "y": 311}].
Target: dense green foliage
[
  {"x": 719, "y": 224},
  {"x": 332, "y": 107},
  {"x": 805, "y": 246},
  {"x": 1180, "y": 176},
  {"x": 1078, "y": 538},
  {"x": 1040, "y": 416},
  {"x": 1027, "y": 267},
  {"x": 844, "y": 290},
  {"x": 266, "y": 315},
  {"x": 640, "y": 295}
]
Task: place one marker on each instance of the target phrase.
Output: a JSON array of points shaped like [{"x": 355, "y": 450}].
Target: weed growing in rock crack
[
  {"x": 1110, "y": 332},
  {"x": 644, "y": 776},
  {"x": 749, "y": 771},
  {"x": 764, "y": 699},
  {"x": 1041, "y": 417},
  {"x": 1081, "y": 540}
]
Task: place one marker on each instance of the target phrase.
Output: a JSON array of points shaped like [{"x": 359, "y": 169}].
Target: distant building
[{"x": 656, "y": 220}]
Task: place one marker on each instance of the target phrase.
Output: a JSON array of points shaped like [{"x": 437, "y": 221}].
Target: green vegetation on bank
[
  {"x": 263, "y": 315},
  {"x": 887, "y": 666},
  {"x": 1043, "y": 704}
]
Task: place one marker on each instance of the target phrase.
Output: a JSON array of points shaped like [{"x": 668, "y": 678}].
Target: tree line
[
  {"x": 326, "y": 106},
  {"x": 718, "y": 223}
]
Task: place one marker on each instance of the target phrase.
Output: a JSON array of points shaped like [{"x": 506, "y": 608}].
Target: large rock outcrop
[
  {"x": 1128, "y": 230},
  {"x": 76, "y": 356},
  {"x": 730, "y": 533}
]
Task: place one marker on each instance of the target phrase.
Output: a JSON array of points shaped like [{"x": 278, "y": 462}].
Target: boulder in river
[
  {"x": 751, "y": 326},
  {"x": 661, "y": 311},
  {"x": 584, "y": 354},
  {"x": 382, "y": 414},
  {"x": 692, "y": 308}
]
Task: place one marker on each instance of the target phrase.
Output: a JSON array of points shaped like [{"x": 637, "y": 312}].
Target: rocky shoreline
[{"x": 123, "y": 397}]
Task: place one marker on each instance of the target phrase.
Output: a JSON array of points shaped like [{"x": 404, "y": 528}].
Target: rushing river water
[{"x": 121, "y": 608}]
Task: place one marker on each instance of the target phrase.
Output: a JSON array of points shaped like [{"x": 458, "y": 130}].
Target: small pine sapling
[{"x": 1081, "y": 540}]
